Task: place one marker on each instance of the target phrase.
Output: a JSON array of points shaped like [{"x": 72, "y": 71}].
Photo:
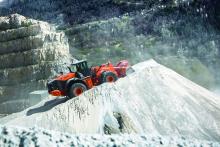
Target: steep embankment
[
  {"x": 154, "y": 99},
  {"x": 30, "y": 52}
]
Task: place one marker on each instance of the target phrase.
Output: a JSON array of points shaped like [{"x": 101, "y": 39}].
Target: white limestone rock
[{"x": 31, "y": 51}]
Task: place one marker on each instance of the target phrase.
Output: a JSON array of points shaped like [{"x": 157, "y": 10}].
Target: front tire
[
  {"x": 108, "y": 77},
  {"x": 76, "y": 89}
]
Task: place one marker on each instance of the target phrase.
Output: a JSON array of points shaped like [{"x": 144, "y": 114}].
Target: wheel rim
[
  {"x": 77, "y": 91},
  {"x": 110, "y": 79}
]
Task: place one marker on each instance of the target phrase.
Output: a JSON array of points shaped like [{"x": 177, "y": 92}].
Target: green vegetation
[
  {"x": 192, "y": 69},
  {"x": 26, "y": 24}
]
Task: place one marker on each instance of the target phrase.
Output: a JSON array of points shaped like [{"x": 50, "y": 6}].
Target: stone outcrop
[{"x": 30, "y": 52}]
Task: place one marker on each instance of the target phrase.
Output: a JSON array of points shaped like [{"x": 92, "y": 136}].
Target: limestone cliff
[{"x": 30, "y": 52}]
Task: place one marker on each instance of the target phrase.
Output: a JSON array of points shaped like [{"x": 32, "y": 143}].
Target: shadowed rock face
[
  {"x": 30, "y": 52},
  {"x": 81, "y": 11},
  {"x": 153, "y": 99}
]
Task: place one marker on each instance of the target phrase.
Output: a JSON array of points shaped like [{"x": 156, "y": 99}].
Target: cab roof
[{"x": 79, "y": 62}]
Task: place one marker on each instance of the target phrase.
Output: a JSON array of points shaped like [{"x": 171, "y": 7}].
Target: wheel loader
[{"x": 81, "y": 78}]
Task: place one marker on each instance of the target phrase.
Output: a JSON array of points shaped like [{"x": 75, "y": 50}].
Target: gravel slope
[
  {"x": 10, "y": 136},
  {"x": 154, "y": 99}
]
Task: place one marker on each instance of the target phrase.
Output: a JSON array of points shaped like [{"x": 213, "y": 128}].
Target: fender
[{"x": 71, "y": 81}]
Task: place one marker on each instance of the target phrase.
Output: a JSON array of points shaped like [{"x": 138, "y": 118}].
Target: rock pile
[
  {"x": 11, "y": 136},
  {"x": 154, "y": 100},
  {"x": 31, "y": 51}
]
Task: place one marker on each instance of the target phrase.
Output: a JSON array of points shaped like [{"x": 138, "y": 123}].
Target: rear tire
[
  {"x": 108, "y": 77},
  {"x": 76, "y": 89}
]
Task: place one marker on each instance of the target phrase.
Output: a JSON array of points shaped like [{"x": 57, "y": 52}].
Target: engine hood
[{"x": 65, "y": 77}]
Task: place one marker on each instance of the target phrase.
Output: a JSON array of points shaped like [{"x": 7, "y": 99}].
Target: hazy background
[{"x": 181, "y": 34}]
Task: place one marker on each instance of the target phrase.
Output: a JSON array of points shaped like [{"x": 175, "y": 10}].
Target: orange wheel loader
[{"x": 81, "y": 78}]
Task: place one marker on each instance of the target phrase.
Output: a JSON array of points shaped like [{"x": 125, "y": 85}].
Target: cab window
[{"x": 72, "y": 68}]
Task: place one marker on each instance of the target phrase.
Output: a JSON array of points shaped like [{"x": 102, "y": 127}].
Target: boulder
[{"x": 37, "y": 96}]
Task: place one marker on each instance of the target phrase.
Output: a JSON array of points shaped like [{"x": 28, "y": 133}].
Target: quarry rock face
[
  {"x": 153, "y": 99},
  {"x": 99, "y": 33},
  {"x": 31, "y": 51}
]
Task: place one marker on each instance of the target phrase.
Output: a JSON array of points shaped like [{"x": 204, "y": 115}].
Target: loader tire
[
  {"x": 76, "y": 89},
  {"x": 108, "y": 77}
]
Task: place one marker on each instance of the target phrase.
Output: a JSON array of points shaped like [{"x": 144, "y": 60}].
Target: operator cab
[{"x": 80, "y": 67}]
